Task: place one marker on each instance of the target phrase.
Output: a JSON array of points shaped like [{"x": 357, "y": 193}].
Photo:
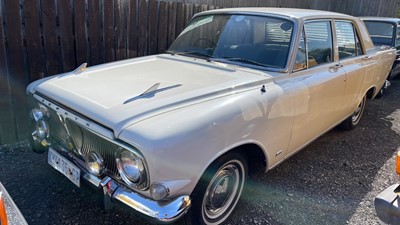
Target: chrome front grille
[
  {"x": 85, "y": 142},
  {"x": 58, "y": 134},
  {"x": 80, "y": 141}
]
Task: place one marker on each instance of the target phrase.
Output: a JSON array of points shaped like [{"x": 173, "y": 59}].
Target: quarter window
[
  {"x": 301, "y": 55},
  {"x": 319, "y": 42}
]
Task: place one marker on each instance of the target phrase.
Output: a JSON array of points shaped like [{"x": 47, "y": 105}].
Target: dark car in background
[
  {"x": 385, "y": 32},
  {"x": 387, "y": 203}
]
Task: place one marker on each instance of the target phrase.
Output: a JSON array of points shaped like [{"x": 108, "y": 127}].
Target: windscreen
[{"x": 247, "y": 40}]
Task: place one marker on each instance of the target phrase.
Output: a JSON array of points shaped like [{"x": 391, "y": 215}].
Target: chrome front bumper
[{"x": 161, "y": 212}]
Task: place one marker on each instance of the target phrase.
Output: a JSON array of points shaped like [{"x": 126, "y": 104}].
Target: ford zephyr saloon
[{"x": 175, "y": 135}]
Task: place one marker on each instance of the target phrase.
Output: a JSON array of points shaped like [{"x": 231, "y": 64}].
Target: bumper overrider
[
  {"x": 113, "y": 166},
  {"x": 114, "y": 193}
]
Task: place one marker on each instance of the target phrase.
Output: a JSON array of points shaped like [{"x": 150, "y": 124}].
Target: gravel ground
[{"x": 332, "y": 181}]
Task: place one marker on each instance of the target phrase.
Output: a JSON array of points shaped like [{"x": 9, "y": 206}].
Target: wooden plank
[
  {"x": 163, "y": 28},
  {"x": 95, "y": 32},
  {"x": 197, "y": 9},
  {"x": 81, "y": 41},
  {"x": 18, "y": 67},
  {"x": 171, "y": 22},
  {"x": 353, "y": 6},
  {"x": 393, "y": 7},
  {"x": 179, "y": 19},
  {"x": 133, "y": 29},
  {"x": 108, "y": 18},
  {"x": 188, "y": 13},
  {"x": 33, "y": 40},
  {"x": 8, "y": 132},
  {"x": 120, "y": 29},
  {"x": 335, "y": 4},
  {"x": 15, "y": 41},
  {"x": 143, "y": 25},
  {"x": 51, "y": 48},
  {"x": 153, "y": 23},
  {"x": 66, "y": 35},
  {"x": 274, "y": 3}
]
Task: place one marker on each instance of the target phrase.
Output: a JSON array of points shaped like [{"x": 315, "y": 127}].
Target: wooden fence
[{"x": 39, "y": 38}]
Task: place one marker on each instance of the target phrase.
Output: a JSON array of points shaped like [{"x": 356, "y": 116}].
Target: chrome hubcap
[
  {"x": 220, "y": 190},
  {"x": 223, "y": 192},
  {"x": 357, "y": 113}
]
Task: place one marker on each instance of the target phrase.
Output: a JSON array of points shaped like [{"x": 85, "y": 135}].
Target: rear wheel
[
  {"x": 218, "y": 191},
  {"x": 380, "y": 93},
  {"x": 355, "y": 118}
]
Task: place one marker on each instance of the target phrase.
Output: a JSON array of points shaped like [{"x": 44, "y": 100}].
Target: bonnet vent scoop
[
  {"x": 151, "y": 89},
  {"x": 151, "y": 92}
]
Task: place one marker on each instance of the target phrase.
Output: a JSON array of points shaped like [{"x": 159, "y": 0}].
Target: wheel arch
[
  {"x": 371, "y": 93},
  {"x": 256, "y": 157}
]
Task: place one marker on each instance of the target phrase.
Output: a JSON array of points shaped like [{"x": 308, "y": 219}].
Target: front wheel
[
  {"x": 218, "y": 190},
  {"x": 355, "y": 118}
]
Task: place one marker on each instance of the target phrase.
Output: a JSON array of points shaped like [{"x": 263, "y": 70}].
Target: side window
[
  {"x": 301, "y": 56},
  {"x": 319, "y": 42},
  {"x": 346, "y": 40},
  {"x": 397, "y": 36}
]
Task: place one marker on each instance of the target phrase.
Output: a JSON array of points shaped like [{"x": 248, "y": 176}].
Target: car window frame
[
  {"x": 356, "y": 40},
  {"x": 334, "y": 52},
  {"x": 385, "y": 22},
  {"x": 397, "y": 34}
]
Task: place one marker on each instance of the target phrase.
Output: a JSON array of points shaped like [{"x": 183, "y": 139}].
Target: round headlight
[
  {"x": 95, "y": 163},
  {"x": 131, "y": 167},
  {"x": 42, "y": 129}
]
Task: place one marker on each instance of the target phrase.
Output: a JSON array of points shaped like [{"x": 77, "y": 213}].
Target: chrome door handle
[
  {"x": 367, "y": 57},
  {"x": 336, "y": 66}
]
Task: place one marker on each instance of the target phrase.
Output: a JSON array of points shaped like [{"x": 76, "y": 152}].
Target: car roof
[
  {"x": 383, "y": 19},
  {"x": 286, "y": 12}
]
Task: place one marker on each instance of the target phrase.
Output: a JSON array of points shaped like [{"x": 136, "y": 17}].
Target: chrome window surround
[{"x": 95, "y": 129}]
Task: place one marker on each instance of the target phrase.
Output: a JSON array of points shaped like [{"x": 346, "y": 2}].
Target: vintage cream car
[{"x": 175, "y": 135}]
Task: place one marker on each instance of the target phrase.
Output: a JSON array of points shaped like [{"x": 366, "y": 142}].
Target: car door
[
  {"x": 353, "y": 61},
  {"x": 320, "y": 85}
]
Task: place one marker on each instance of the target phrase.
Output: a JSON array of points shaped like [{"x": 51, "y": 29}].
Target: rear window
[{"x": 381, "y": 32}]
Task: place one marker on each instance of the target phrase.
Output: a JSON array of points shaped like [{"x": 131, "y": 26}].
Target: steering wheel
[{"x": 210, "y": 42}]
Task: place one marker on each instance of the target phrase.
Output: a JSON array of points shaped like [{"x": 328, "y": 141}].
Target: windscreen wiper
[
  {"x": 192, "y": 53},
  {"x": 243, "y": 60}
]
